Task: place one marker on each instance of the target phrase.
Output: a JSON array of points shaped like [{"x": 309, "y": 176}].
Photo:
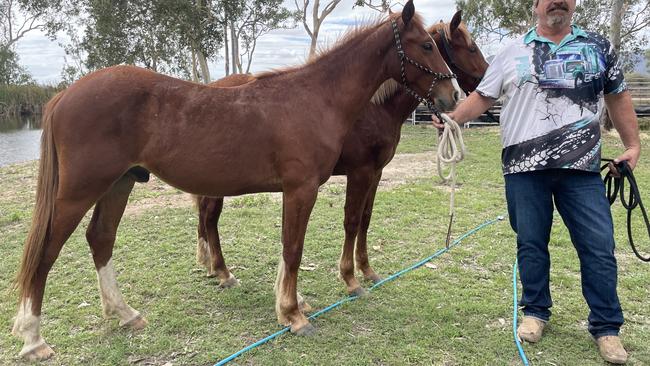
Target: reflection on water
[{"x": 19, "y": 139}]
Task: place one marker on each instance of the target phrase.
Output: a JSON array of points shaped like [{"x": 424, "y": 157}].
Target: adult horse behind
[
  {"x": 199, "y": 139},
  {"x": 368, "y": 148}
]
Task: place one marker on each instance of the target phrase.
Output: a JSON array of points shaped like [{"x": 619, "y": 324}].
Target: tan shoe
[
  {"x": 611, "y": 349},
  {"x": 530, "y": 329}
]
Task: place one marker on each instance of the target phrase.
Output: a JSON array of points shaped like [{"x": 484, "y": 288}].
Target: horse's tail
[{"x": 48, "y": 182}]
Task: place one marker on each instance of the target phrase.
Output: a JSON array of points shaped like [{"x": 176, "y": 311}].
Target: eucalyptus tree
[
  {"x": 312, "y": 24},
  {"x": 248, "y": 21},
  {"x": 158, "y": 35}
]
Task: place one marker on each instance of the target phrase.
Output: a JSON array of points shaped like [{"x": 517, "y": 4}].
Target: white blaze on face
[
  {"x": 112, "y": 301},
  {"x": 28, "y": 326}
]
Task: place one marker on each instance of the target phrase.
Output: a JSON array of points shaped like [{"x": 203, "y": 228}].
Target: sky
[{"x": 44, "y": 58}]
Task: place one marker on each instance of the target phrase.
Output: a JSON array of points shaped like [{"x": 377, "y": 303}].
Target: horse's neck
[
  {"x": 353, "y": 72},
  {"x": 400, "y": 105}
]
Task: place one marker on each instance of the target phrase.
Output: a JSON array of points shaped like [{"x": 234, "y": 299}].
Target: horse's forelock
[{"x": 446, "y": 27}]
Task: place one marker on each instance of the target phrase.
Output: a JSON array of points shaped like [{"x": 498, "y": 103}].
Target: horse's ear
[
  {"x": 390, "y": 11},
  {"x": 455, "y": 21},
  {"x": 408, "y": 12}
]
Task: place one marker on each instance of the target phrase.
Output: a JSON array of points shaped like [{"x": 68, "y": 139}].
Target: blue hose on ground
[
  {"x": 522, "y": 355},
  {"x": 354, "y": 297}
]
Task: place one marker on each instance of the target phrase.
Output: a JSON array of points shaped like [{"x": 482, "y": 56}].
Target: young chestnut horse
[
  {"x": 199, "y": 139},
  {"x": 368, "y": 147}
]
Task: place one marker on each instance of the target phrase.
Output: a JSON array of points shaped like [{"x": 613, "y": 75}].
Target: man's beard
[{"x": 557, "y": 20}]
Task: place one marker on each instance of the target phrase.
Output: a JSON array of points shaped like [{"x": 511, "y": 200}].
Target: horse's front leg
[
  {"x": 362, "y": 238},
  {"x": 298, "y": 201}
]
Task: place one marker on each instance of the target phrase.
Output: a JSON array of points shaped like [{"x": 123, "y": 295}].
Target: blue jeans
[{"x": 580, "y": 199}]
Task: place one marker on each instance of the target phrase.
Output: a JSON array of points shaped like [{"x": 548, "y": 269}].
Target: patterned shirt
[{"x": 552, "y": 97}]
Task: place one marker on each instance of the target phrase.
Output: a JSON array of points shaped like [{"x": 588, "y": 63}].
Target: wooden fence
[{"x": 639, "y": 87}]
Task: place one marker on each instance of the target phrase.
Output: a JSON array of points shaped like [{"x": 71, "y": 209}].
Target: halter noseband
[
  {"x": 436, "y": 75},
  {"x": 452, "y": 61}
]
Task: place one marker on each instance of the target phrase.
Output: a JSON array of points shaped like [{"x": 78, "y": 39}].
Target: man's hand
[
  {"x": 437, "y": 123},
  {"x": 631, "y": 155}
]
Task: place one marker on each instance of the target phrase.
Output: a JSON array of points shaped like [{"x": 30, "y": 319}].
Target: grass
[{"x": 458, "y": 313}]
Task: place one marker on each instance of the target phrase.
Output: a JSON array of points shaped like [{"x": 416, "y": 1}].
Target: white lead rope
[{"x": 451, "y": 150}]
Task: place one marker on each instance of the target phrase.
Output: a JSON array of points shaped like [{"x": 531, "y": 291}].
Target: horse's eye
[
  {"x": 473, "y": 49},
  {"x": 428, "y": 46}
]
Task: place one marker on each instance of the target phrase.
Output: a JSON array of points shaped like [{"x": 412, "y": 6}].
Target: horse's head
[
  {"x": 419, "y": 66},
  {"x": 460, "y": 52}
]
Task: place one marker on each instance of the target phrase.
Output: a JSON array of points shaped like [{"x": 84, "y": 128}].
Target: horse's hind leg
[
  {"x": 358, "y": 185},
  {"x": 101, "y": 237},
  {"x": 362, "y": 237},
  {"x": 209, "y": 246},
  {"x": 66, "y": 217}
]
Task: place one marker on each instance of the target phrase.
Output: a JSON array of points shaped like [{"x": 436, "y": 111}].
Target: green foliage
[
  {"x": 11, "y": 72},
  {"x": 646, "y": 55},
  {"x": 156, "y": 35}
]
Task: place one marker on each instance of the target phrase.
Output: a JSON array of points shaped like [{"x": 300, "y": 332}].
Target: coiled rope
[{"x": 451, "y": 150}]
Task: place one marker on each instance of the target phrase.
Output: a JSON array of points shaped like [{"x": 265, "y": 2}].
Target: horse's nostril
[{"x": 456, "y": 96}]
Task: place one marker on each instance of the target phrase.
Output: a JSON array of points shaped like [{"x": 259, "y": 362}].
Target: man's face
[{"x": 555, "y": 13}]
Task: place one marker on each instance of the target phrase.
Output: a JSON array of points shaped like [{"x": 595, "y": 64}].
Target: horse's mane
[
  {"x": 357, "y": 30},
  {"x": 467, "y": 36}
]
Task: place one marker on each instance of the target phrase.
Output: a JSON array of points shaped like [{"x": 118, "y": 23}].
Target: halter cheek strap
[{"x": 436, "y": 75}]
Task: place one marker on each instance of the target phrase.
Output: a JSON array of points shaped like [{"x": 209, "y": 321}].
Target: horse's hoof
[
  {"x": 39, "y": 353},
  {"x": 306, "y": 331},
  {"x": 232, "y": 281},
  {"x": 358, "y": 292},
  {"x": 137, "y": 323},
  {"x": 211, "y": 274},
  {"x": 374, "y": 278}
]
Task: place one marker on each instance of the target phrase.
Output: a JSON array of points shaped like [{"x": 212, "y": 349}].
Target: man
[{"x": 551, "y": 80}]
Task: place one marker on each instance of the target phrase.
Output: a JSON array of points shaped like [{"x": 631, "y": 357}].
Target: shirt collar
[{"x": 576, "y": 32}]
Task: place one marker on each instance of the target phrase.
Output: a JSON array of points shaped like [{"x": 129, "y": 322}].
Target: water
[{"x": 20, "y": 139}]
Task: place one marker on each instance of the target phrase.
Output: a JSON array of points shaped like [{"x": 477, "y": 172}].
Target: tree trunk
[
  {"x": 615, "y": 39},
  {"x": 195, "y": 77},
  {"x": 225, "y": 43},
  {"x": 203, "y": 63},
  {"x": 314, "y": 42}
]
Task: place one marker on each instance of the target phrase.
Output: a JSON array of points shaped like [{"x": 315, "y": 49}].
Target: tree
[
  {"x": 169, "y": 36},
  {"x": 316, "y": 19},
  {"x": 10, "y": 70},
  {"x": 14, "y": 25},
  {"x": 647, "y": 59},
  {"x": 249, "y": 20},
  {"x": 507, "y": 18},
  {"x": 381, "y": 6}
]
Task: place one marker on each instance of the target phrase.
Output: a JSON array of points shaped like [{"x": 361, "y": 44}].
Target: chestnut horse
[
  {"x": 199, "y": 139},
  {"x": 368, "y": 147}
]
